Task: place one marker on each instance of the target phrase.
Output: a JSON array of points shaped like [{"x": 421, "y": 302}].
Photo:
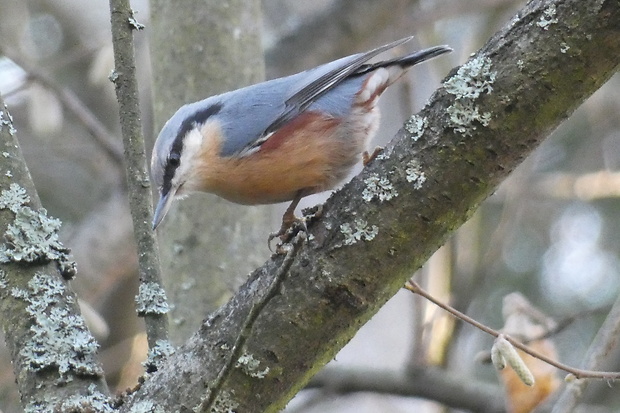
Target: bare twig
[
  {"x": 248, "y": 323},
  {"x": 140, "y": 200},
  {"x": 72, "y": 102},
  {"x": 578, "y": 373}
]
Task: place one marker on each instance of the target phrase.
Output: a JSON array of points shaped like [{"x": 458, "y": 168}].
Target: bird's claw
[{"x": 288, "y": 231}]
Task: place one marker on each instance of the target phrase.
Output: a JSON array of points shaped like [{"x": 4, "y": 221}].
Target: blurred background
[{"x": 551, "y": 232}]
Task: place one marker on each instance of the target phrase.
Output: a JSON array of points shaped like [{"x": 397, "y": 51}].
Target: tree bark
[
  {"x": 53, "y": 353},
  {"x": 385, "y": 224}
]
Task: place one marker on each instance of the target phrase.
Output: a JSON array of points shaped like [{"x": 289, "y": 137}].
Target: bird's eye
[{"x": 174, "y": 160}]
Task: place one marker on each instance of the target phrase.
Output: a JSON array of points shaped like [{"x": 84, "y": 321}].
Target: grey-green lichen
[
  {"x": 113, "y": 76},
  {"x": 415, "y": 174},
  {"x": 157, "y": 354},
  {"x": 548, "y": 18},
  {"x": 13, "y": 198},
  {"x": 251, "y": 366},
  {"x": 416, "y": 125},
  {"x": 32, "y": 236},
  {"x": 3, "y": 282},
  {"x": 7, "y": 120},
  {"x": 134, "y": 23},
  {"x": 146, "y": 406},
  {"x": 59, "y": 339},
  {"x": 359, "y": 231},
  {"x": 472, "y": 79},
  {"x": 225, "y": 403},
  {"x": 463, "y": 114},
  {"x": 378, "y": 187},
  {"x": 94, "y": 401},
  {"x": 151, "y": 299}
]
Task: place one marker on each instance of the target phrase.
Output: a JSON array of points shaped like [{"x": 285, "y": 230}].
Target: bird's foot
[{"x": 291, "y": 226}]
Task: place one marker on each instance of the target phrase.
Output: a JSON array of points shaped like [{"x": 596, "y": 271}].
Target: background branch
[
  {"x": 106, "y": 140},
  {"x": 427, "y": 382},
  {"x": 208, "y": 245},
  {"x": 604, "y": 341}
]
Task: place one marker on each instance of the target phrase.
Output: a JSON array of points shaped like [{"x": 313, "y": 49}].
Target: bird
[{"x": 278, "y": 140}]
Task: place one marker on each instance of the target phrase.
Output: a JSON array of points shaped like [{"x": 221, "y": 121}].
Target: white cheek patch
[{"x": 191, "y": 147}]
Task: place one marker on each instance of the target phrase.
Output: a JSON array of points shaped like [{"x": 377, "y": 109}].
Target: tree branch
[
  {"x": 151, "y": 297},
  {"x": 53, "y": 353},
  {"x": 236, "y": 353},
  {"x": 427, "y": 382},
  {"x": 489, "y": 116}
]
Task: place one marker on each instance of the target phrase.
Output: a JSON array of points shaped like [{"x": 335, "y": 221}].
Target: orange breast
[{"x": 311, "y": 153}]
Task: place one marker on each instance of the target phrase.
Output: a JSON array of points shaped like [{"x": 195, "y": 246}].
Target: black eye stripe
[
  {"x": 169, "y": 170},
  {"x": 189, "y": 123},
  {"x": 174, "y": 158}
]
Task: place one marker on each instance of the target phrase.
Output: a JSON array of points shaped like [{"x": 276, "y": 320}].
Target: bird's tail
[{"x": 398, "y": 66}]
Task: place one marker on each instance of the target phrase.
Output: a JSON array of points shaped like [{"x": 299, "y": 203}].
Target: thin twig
[
  {"x": 72, "y": 102},
  {"x": 151, "y": 296},
  {"x": 578, "y": 373},
  {"x": 250, "y": 320}
]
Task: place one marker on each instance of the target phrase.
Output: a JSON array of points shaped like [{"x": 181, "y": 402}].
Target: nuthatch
[{"x": 278, "y": 140}]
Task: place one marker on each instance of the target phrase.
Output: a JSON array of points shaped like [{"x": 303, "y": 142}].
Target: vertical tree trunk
[{"x": 198, "y": 49}]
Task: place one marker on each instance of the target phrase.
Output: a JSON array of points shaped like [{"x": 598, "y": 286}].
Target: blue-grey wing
[
  {"x": 249, "y": 115},
  {"x": 325, "y": 78}
]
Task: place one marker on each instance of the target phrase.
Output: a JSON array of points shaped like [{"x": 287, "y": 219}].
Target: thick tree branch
[
  {"x": 53, "y": 353},
  {"x": 151, "y": 297},
  {"x": 386, "y": 223}
]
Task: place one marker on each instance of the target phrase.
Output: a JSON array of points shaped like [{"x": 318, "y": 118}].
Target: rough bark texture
[
  {"x": 51, "y": 349},
  {"x": 548, "y": 60},
  {"x": 198, "y": 49}
]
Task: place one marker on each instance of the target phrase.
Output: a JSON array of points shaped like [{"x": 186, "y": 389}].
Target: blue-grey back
[{"x": 247, "y": 113}]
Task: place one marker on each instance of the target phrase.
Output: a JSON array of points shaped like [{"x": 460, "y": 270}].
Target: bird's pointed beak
[{"x": 163, "y": 205}]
